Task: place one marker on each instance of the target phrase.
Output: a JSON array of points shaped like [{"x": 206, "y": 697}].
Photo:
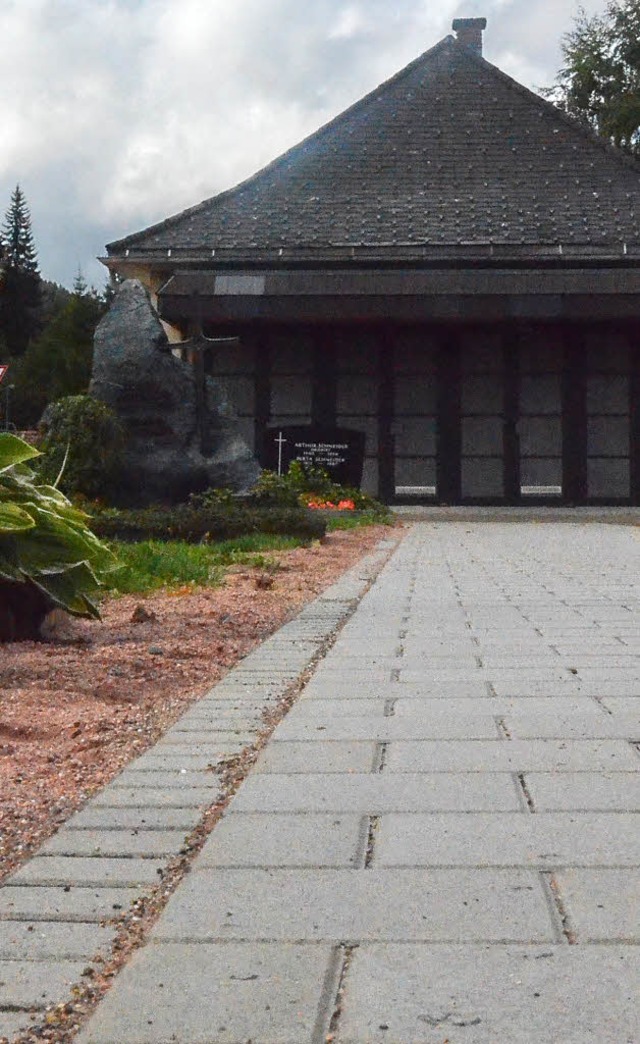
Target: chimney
[{"x": 469, "y": 31}]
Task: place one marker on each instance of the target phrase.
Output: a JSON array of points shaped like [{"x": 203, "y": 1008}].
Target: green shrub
[
  {"x": 272, "y": 488},
  {"x": 48, "y": 557},
  {"x": 84, "y": 439},
  {"x": 195, "y": 524},
  {"x": 298, "y": 486}
]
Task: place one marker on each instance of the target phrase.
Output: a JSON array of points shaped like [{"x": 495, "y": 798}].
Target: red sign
[{"x": 3, "y": 371}]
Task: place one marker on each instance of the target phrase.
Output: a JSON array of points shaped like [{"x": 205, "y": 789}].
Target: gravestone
[
  {"x": 338, "y": 451},
  {"x": 165, "y": 406}
]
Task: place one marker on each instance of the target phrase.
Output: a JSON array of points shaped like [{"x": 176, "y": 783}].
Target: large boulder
[{"x": 155, "y": 395}]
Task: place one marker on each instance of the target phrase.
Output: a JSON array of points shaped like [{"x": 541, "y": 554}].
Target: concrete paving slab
[
  {"x": 141, "y": 797},
  {"x": 177, "y": 743},
  {"x": 485, "y": 994},
  {"x": 12, "y": 1023},
  {"x": 339, "y": 905},
  {"x": 355, "y": 690},
  {"x": 212, "y": 728},
  {"x": 510, "y": 756},
  {"x": 64, "y": 903},
  {"x": 545, "y": 840},
  {"x": 494, "y": 706},
  {"x": 554, "y": 723},
  {"x": 45, "y": 940},
  {"x": 223, "y": 710},
  {"x": 114, "y": 843},
  {"x": 525, "y": 685},
  {"x": 171, "y": 780},
  {"x": 374, "y": 794},
  {"x": 91, "y": 818},
  {"x": 35, "y": 984},
  {"x": 190, "y": 762},
  {"x": 88, "y": 872},
  {"x": 226, "y": 993},
  {"x": 603, "y": 905},
  {"x": 627, "y": 706},
  {"x": 386, "y": 729},
  {"x": 324, "y": 757},
  {"x": 286, "y": 840},
  {"x": 415, "y": 685},
  {"x": 594, "y": 791},
  {"x": 308, "y": 709},
  {"x": 180, "y": 746}
]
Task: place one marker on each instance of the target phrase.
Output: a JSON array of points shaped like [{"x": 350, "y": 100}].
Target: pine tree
[
  {"x": 20, "y": 281},
  {"x": 20, "y": 251}
]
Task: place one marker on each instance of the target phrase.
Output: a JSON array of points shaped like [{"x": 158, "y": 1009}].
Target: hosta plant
[{"x": 49, "y": 558}]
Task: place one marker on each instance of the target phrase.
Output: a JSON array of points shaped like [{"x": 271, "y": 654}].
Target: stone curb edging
[{"x": 54, "y": 911}]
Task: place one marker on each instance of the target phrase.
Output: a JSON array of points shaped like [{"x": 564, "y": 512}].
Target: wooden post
[
  {"x": 511, "y": 438},
  {"x": 574, "y": 416},
  {"x": 386, "y": 395},
  {"x": 262, "y": 377},
  {"x": 449, "y": 470},
  {"x": 633, "y": 337}
]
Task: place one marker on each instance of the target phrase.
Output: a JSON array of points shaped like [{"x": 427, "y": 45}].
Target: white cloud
[{"x": 119, "y": 112}]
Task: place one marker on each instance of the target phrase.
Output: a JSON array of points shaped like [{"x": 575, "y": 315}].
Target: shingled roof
[{"x": 449, "y": 154}]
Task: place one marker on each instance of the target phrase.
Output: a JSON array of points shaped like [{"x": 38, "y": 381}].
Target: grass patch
[
  {"x": 151, "y": 565},
  {"x": 251, "y": 545},
  {"x": 354, "y": 520}
]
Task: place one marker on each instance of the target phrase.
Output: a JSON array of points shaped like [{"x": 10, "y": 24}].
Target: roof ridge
[{"x": 223, "y": 196}]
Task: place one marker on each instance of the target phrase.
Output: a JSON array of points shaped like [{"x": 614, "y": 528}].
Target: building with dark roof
[{"x": 451, "y": 266}]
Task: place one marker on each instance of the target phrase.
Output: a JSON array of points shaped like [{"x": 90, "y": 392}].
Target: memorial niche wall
[{"x": 500, "y": 413}]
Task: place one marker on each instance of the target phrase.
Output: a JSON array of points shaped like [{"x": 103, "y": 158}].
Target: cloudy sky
[{"x": 117, "y": 113}]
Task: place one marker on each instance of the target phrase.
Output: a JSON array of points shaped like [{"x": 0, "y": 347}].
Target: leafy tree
[
  {"x": 20, "y": 279},
  {"x": 599, "y": 82},
  {"x": 57, "y": 363}
]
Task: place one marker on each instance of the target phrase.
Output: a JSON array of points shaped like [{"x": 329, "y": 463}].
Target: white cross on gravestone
[{"x": 280, "y": 442}]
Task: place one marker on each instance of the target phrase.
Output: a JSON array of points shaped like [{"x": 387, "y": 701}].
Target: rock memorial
[{"x": 156, "y": 397}]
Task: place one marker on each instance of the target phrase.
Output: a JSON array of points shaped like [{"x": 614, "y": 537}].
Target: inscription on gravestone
[{"x": 339, "y": 451}]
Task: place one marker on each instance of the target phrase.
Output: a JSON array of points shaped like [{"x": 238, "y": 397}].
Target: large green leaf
[
  {"x": 14, "y": 519},
  {"x": 55, "y": 541},
  {"x": 44, "y": 539},
  {"x": 9, "y": 569},
  {"x": 14, "y": 451},
  {"x": 67, "y": 589}
]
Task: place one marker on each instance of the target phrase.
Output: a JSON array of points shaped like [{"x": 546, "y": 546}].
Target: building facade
[{"x": 451, "y": 266}]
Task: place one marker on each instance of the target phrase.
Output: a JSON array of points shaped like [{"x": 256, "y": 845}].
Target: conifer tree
[{"x": 20, "y": 279}]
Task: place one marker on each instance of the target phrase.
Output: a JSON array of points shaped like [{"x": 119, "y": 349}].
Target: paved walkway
[{"x": 440, "y": 842}]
